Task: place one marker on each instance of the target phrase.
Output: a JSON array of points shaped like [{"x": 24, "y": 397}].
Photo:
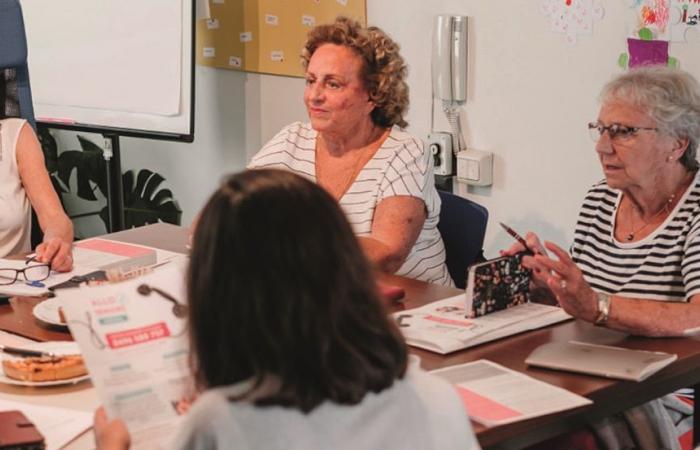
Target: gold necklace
[
  {"x": 665, "y": 208},
  {"x": 646, "y": 223},
  {"x": 356, "y": 167}
]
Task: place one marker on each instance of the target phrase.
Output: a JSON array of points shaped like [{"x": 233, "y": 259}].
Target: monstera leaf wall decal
[{"x": 144, "y": 202}]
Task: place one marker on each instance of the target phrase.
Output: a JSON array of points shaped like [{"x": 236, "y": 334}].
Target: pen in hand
[{"x": 518, "y": 238}]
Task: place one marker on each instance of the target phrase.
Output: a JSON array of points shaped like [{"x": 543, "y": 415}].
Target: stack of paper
[{"x": 495, "y": 395}]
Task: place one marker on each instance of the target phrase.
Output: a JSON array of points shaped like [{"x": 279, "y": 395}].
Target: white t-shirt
[
  {"x": 400, "y": 167},
  {"x": 15, "y": 218},
  {"x": 420, "y": 411}
]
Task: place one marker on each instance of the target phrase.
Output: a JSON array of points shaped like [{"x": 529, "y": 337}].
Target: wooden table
[{"x": 609, "y": 396}]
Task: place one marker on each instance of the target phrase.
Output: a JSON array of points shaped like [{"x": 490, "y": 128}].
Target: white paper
[
  {"x": 136, "y": 350},
  {"x": 21, "y": 288},
  {"x": 496, "y": 395},
  {"x": 139, "y": 41},
  {"x": 84, "y": 262},
  {"x": 442, "y": 326},
  {"x": 58, "y": 425}
]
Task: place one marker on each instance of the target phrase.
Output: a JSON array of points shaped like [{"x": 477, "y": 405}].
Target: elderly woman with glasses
[
  {"x": 635, "y": 261},
  {"x": 634, "y": 264}
]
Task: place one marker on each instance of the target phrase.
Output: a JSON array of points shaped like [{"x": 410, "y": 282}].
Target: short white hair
[{"x": 671, "y": 97}]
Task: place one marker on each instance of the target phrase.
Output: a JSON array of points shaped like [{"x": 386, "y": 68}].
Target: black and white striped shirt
[
  {"x": 400, "y": 167},
  {"x": 663, "y": 266}
]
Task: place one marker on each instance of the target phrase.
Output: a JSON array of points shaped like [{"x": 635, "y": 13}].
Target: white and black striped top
[
  {"x": 400, "y": 167},
  {"x": 663, "y": 266}
]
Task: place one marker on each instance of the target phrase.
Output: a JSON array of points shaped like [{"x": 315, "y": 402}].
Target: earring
[{"x": 670, "y": 159}]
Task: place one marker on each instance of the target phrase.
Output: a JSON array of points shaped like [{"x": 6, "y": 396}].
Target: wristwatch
[{"x": 603, "y": 308}]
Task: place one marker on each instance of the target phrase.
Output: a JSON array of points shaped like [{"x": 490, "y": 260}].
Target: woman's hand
[
  {"x": 565, "y": 280},
  {"x": 540, "y": 274},
  {"x": 57, "y": 252},
  {"x": 110, "y": 434}
]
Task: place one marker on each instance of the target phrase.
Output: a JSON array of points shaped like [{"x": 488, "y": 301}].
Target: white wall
[{"x": 530, "y": 97}]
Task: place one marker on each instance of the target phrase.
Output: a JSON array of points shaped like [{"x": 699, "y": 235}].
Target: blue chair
[
  {"x": 13, "y": 55},
  {"x": 462, "y": 227},
  {"x": 17, "y": 101}
]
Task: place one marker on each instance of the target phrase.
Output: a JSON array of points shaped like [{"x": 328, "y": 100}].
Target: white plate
[
  {"x": 60, "y": 348},
  {"x": 47, "y": 311}
]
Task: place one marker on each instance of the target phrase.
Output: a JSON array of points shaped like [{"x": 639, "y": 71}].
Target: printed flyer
[{"x": 133, "y": 337}]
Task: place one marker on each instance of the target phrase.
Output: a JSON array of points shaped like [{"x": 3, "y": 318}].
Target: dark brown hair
[
  {"x": 279, "y": 288},
  {"x": 384, "y": 70}
]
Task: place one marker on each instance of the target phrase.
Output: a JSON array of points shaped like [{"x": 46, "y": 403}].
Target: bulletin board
[{"x": 265, "y": 36}]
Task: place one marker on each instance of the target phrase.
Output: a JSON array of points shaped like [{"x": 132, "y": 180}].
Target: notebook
[
  {"x": 603, "y": 360},
  {"x": 497, "y": 284}
]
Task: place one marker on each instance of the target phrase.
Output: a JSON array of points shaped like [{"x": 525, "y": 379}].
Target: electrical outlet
[
  {"x": 440, "y": 148},
  {"x": 475, "y": 167}
]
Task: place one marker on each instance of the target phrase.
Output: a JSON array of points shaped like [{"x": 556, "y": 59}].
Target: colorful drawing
[
  {"x": 684, "y": 21},
  {"x": 654, "y": 25},
  {"x": 572, "y": 17}
]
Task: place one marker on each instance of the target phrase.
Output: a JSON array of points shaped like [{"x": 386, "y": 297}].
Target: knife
[{"x": 24, "y": 351}]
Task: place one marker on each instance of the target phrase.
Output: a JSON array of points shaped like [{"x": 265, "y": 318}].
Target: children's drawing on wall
[
  {"x": 572, "y": 17},
  {"x": 651, "y": 31},
  {"x": 684, "y": 21}
]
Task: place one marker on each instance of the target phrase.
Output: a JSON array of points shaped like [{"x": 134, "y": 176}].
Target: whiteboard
[{"x": 123, "y": 67}]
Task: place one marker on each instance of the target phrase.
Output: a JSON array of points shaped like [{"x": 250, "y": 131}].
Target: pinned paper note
[
  {"x": 246, "y": 36},
  {"x": 277, "y": 56},
  {"x": 572, "y": 17},
  {"x": 271, "y": 19},
  {"x": 212, "y": 24},
  {"x": 235, "y": 61},
  {"x": 307, "y": 20},
  {"x": 209, "y": 52}
]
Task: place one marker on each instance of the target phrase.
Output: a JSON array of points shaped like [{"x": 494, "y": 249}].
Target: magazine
[
  {"x": 497, "y": 284},
  {"x": 443, "y": 326},
  {"x": 133, "y": 338}
]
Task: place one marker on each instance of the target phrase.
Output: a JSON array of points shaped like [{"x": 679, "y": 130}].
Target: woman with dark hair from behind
[{"x": 289, "y": 339}]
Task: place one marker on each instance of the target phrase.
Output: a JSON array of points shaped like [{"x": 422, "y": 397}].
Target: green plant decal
[
  {"x": 90, "y": 165},
  {"x": 144, "y": 202}
]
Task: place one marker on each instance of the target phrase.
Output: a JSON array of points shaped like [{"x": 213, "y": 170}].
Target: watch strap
[{"x": 604, "y": 301}]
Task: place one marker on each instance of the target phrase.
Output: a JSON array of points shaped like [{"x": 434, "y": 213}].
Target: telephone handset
[{"x": 449, "y": 64}]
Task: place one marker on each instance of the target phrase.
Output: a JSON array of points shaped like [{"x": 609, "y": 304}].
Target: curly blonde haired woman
[{"x": 355, "y": 148}]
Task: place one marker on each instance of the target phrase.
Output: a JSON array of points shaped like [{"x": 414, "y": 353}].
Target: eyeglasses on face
[
  {"x": 616, "y": 132},
  {"x": 38, "y": 272}
]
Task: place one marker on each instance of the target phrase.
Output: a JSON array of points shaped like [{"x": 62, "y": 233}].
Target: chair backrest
[
  {"x": 17, "y": 100},
  {"x": 13, "y": 55},
  {"x": 462, "y": 227}
]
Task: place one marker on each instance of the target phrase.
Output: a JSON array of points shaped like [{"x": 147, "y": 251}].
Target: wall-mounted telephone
[
  {"x": 449, "y": 59},
  {"x": 449, "y": 74}
]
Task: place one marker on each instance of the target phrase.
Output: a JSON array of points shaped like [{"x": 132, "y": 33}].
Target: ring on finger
[{"x": 562, "y": 284}]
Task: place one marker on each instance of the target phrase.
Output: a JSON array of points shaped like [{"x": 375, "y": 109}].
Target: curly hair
[
  {"x": 670, "y": 96},
  {"x": 383, "y": 69}
]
